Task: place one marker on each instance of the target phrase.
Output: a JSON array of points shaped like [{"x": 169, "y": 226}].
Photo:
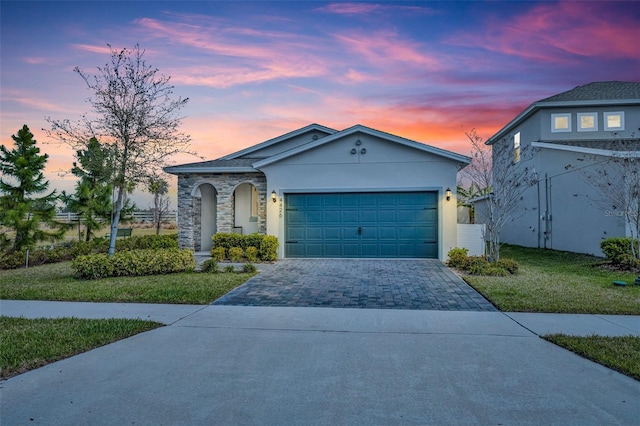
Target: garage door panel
[
  {"x": 369, "y": 233},
  {"x": 361, "y": 225},
  {"x": 332, "y": 216},
  {"x": 351, "y": 250},
  {"x": 369, "y": 216},
  {"x": 350, "y": 216},
  {"x": 333, "y": 233},
  {"x": 350, "y": 233},
  {"x": 388, "y": 233},
  {"x": 370, "y": 250}
]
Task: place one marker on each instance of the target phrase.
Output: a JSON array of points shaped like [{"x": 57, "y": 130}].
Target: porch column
[{"x": 185, "y": 213}]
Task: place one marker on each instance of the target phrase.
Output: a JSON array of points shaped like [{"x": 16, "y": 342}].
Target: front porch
[{"x": 224, "y": 202}]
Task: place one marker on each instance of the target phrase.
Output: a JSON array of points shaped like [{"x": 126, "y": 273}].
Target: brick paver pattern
[{"x": 359, "y": 283}]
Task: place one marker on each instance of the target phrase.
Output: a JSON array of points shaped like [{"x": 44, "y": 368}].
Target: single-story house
[{"x": 357, "y": 193}]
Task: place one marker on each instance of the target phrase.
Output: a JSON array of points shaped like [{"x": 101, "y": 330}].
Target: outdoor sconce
[
  {"x": 447, "y": 193},
  {"x": 274, "y": 196}
]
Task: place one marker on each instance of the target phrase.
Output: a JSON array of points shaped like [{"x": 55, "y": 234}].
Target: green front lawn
[
  {"x": 618, "y": 353},
  {"x": 561, "y": 282},
  {"x": 56, "y": 282},
  {"x": 26, "y": 344}
]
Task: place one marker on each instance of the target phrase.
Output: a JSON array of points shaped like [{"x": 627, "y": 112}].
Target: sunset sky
[{"x": 427, "y": 71}]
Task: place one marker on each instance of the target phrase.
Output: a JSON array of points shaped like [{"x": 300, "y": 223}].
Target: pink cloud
[
  {"x": 368, "y": 8},
  {"x": 94, "y": 49},
  {"x": 386, "y": 49},
  {"x": 552, "y": 31}
]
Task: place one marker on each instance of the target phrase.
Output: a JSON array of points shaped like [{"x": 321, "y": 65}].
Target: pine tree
[
  {"x": 22, "y": 179},
  {"x": 92, "y": 197}
]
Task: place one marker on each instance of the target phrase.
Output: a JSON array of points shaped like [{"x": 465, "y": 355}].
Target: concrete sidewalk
[
  {"x": 540, "y": 324},
  {"x": 323, "y": 366}
]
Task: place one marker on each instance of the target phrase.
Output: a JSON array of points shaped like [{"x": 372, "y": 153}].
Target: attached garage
[
  {"x": 325, "y": 193},
  {"x": 374, "y": 224}
]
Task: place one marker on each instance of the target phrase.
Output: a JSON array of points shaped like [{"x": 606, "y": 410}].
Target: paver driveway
[{"x": 359, "y": 283}]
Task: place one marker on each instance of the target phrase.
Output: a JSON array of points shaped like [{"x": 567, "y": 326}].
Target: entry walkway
[{"x": 540, "y": 324}]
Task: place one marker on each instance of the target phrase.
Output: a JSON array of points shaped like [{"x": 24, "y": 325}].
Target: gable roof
[
  {"x": 252, "y": 149},
  {"x": 242, "y": 161},
  {"x": 600, "y": 93},
  {"x": 367, "y": 130}
]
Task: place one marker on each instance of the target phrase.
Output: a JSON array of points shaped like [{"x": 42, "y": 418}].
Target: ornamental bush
[
  {"x": 479, "y": 265},
  {"x": 251, "y": 253},
  {"x": 266, "y": 245},
  {"x": 210, "y": 266},
  {"x": 269, "y": 248},
  {"x": 218, "y": 254},
  {"x": 71, "y": 250},
  {"x": 133, "y": 263},
  {"x": 618, "y": 251},
  {"x": 458, "y": 257},
  {"x": 236, "y": 254}
]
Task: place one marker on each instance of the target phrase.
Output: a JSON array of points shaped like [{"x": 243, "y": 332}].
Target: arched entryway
[
  {"x": 207, "y": 196},
  {"x": 245, "y": 206}
]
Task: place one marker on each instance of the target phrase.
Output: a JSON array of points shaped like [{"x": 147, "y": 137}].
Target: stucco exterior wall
[
  {"x": 569, "y": 213},
  {"x": 383, "y": 166}
]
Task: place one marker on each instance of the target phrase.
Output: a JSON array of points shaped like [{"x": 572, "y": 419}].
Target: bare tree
[
  {"x": 504, "y": 170},
  {"x": 159, "y": 188},
  {"x": 617, "y": 183},
  {"x": 133, "y": 115}
]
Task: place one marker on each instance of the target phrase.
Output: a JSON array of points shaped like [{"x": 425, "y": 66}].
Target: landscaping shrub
[
  {"x": 133, "y": 263},
  {"x": 479, "y": 265},
  {"x": 251, "y": 253},
  {"x": 218, "y": 254},
  {"x": 493, "y": 270},
  {"x": 73, "y": 249},
  {"x": 210, "y": 266},
  {"x": 249, "y": 268},
  {"x": 476, "y": 265},
  {"x": 510, "y": 265},
  {"x": 236, "y": 254},
  {"x": 268, "y": 248},
  {"x": 146, "y": 242},
  {"x": 458, "y": 257},
  {"x": 618, "y": 251},
  {"x": 267, "y": 245},
  {"x": 12, "y": 260},
  {"x": 229, "y": 269}
]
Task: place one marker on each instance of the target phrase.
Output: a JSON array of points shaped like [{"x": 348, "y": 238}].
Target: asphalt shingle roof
[
  {"x": 221, "y": 163},
  {"x": 599, "y": 91}
]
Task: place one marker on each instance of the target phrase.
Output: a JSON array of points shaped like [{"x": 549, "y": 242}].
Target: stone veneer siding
[{"x": 189, "y": 207}]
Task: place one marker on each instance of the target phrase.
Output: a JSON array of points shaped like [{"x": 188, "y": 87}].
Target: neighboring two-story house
[{"x": 566, "y": 138}]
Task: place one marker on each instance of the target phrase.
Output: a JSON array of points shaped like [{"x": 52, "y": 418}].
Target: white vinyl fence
[
  {"x": 471, "y": 237},
  {"x": 138, "y": 215}
]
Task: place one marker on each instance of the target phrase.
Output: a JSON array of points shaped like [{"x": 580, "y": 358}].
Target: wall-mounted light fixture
[
  {"x": 274, "y": 196},
  {"x": 447, "y": 193}
]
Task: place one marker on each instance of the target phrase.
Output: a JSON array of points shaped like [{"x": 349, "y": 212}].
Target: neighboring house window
[
  {"x": 254, "y": 201},
  {"x": 560, "y": 123},
  {"x": 614, "y": 120},
  {"x": 516, "y": 147},
  {"x": 587, "y": 121}
]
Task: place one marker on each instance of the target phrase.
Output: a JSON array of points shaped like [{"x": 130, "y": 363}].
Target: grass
[
  {"x": 618, "y": 353},
  {"x": 26, "y": 344},
  {"x": 56, "y": 282},
  {"x": 559, "y": 282}
]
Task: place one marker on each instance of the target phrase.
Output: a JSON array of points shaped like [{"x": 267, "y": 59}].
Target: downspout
[
  {"x": 546, "y": 210},
  {"x": 539, "y": 215}
]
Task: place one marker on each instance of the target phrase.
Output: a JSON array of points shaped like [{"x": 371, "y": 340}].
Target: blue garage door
[{"x": 396, "y": 224}]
